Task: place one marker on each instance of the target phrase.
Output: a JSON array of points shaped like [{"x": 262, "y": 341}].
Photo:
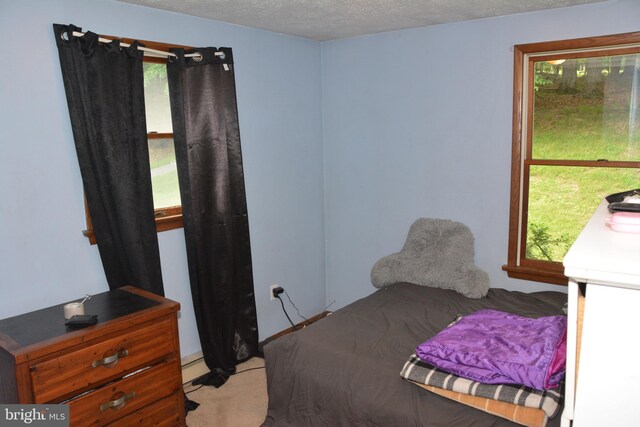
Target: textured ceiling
[{"x": 337, "y": 19}]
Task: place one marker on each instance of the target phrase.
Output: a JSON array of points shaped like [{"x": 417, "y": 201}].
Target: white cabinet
[{"x": 603, "y": 348}]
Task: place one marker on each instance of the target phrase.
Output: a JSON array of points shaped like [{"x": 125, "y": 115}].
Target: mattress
[{"x": 344, "y": 370}]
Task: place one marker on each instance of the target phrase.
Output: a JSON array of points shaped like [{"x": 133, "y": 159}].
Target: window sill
[
  {"x": 169, "y": 221},
  {"x": 553, "y": 276}
]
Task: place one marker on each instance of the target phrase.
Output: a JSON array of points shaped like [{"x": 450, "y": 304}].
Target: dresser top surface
[
  {"x": 49, "y": 323},
  {"x": 601, "y": 254}
]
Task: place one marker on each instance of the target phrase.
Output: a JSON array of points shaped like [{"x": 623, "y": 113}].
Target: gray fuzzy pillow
[{"x": 437, "y": 253}]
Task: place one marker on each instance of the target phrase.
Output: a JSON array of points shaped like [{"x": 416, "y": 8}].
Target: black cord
[
  {"x": 246, "y": 370},
  {"x": 298, "y": 311},
  {"x": 249, "y": 369},
  {"x": 285, "y": 311},
  {"x": 195, "y": 389},
  {"x": 294, "y": 306},
  {"x": 329, "y": 305}
]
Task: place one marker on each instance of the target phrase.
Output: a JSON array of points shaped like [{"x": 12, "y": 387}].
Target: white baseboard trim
[{"x": 193, "y": 366}]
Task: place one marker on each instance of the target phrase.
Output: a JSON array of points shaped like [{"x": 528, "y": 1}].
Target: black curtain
[
  {"x": 105, "y": 94},
  {"x": 214, "y": 207}
]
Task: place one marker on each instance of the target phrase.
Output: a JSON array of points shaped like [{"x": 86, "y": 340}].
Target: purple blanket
[{"x": 495, "y": 347}]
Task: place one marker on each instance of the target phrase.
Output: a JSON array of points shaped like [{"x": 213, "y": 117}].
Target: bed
[{"x": 344, "y": 370}]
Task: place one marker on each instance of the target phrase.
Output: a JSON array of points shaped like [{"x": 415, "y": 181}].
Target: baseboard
[
  {"x": 297, "y": 327},
  {"x": 193, "y": 366}
]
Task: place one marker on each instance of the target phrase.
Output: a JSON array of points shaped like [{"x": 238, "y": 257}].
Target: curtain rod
[{"x": 151, "y": 52}]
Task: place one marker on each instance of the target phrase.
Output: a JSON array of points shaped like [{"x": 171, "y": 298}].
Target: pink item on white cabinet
[{"x": 625, "y": 222}]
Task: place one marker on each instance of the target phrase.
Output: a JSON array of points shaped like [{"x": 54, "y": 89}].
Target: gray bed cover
[{"x": 344, "y": 370}]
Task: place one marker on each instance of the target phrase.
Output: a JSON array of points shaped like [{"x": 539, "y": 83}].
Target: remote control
[{"x": 82, "y": 320}]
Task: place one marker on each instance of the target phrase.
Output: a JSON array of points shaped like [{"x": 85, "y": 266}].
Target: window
[
  {"x": 162, "y": 157},
  {"x": 576, "y": 139}
]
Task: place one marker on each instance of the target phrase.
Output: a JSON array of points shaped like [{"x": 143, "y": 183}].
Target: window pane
[
  {"x": 561, "y": 201},
  {"x": 587, "y": 108},
  {"x": 164, "y": 175},
  {"x": 156, "y": 98}
]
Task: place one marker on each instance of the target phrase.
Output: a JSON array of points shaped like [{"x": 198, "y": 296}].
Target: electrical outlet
[{"x": 271, "y": 288}]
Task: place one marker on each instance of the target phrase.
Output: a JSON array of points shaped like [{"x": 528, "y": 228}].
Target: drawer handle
[
  {"x": 114, "y": 404},
  {"x": 111, "y": 359}
]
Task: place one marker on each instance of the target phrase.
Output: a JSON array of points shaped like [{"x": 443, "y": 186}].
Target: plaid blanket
[{"x": 417, "y": 371}]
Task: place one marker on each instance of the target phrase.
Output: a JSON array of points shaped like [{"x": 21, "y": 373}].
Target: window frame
[
  {"x": 168, "y": 218},
  {"x": 518, "y": 266}
]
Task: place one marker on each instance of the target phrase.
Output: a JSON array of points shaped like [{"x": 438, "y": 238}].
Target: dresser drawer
[
  {"x": 85, "y": 367},
  {"x": 125, "y": 397},
  {"x": 164, "y": 413}
]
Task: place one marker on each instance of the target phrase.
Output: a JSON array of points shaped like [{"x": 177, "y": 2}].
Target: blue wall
[
  {"x": 44, "y": 259},
  {"x": 345, "y": 143},
  {"x": 417, "y": 123}
]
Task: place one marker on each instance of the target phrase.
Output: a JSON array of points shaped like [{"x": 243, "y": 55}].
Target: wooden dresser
[
  {"x": 123, "y": 371},
  {"x": 603, "y": 342}
]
